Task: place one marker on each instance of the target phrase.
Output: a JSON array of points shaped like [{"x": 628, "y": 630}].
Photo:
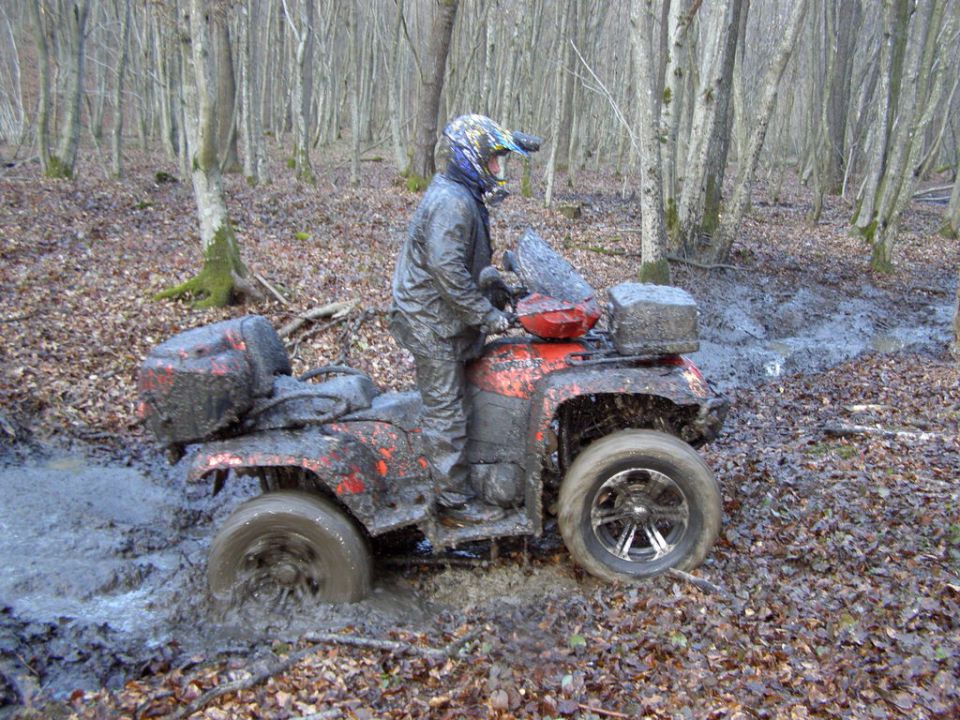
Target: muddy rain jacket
[{"x": 438, "y": 309}]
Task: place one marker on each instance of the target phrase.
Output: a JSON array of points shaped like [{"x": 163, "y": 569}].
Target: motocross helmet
[{"x": 473, "y": 141}]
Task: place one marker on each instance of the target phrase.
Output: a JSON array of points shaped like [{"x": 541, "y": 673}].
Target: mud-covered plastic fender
[{"x": 341, "y": 466}]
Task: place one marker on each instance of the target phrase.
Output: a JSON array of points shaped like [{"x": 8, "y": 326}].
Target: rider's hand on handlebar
[{"x": 497, "y": 321}]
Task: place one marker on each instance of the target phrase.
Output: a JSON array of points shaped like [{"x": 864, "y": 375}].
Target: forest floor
[{"x": 833, "y": 591}]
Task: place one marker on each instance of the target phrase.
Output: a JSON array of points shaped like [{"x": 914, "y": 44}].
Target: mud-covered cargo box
[
  {"x": 200, "y": 382},
  {"x": 650, "y": 319}
]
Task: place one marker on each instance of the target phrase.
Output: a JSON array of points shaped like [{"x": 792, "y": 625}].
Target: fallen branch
[
  {"x": 842, "y": 430},
  {"x": 933, "y": 191},
  {"x": 346, "y": 338},
  {"x": 334, "y": 310},
  {"x": 870, "y": 407},
  {"x": 699, "y": 582},
  {"x": 241, "y": 684},
  {"x": 264, "y": 674},
  {"x": 394, "y": 646}
]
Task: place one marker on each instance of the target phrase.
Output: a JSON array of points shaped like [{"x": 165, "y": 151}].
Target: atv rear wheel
[
  {"x": 637, "y": 503},
  {"x": 288, "y": 545}
]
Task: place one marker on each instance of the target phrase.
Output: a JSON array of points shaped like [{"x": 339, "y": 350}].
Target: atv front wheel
[
  {"x": 288, "y": 545},
  {"x": 637, "y": 503}
]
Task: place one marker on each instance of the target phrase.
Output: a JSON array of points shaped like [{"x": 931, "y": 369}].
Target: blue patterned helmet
[{"x": 474, "y": 140}]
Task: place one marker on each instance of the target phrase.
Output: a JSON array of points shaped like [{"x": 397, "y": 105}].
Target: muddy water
[{"x": 102, "y": 567}]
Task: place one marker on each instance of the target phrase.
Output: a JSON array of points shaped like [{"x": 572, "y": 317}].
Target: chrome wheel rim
[{"x": 639, "y": 515}]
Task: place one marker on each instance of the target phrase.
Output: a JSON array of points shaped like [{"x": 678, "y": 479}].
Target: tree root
[{"x": 209, "y": 290}]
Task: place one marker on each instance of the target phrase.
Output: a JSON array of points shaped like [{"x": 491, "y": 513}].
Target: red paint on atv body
[
  {"x": 513, "y": 369},
  {"x": 557, "y": 319}
]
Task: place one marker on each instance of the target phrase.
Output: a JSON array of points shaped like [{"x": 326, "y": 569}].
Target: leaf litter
[{"x": 838, "y": 563}]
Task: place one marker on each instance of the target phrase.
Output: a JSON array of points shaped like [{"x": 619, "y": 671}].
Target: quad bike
[{"x": 594, "y": 429}]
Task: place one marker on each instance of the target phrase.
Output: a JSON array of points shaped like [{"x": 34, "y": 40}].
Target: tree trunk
[
  {"x": 730, "y": 225},
  {"x": 895, "y": 24},
  {"x": 956, "y": 325},
  {"x": 37, "y": 13},
  {"x": 118, "y": 104},
  {"x": 222, "y": 277},
  {"x": 719, "y": 142},
  {"x": 302, "y": 89},
  {"x": 424, "y": 165},
  {"x": 654, "y": 267},
  {"x": 558, "y": 100},
  {"x": 848, "y": 26},
  {"x": 251, "y": 61},
  {"x": 951, "y": 220},
  {"x": 356, "y": 74},
  {"x": 675, "y": 70},
  {"x": 226, "y": 95},
  {"x": 919, "y": 101},
  {"x": 63, "y": 164}
]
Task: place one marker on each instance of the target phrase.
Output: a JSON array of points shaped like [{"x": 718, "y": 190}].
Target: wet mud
[{"x": 102, "y": 576}]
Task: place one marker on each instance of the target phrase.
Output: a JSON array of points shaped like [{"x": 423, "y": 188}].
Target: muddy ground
[{"x": 104, "y": 554}]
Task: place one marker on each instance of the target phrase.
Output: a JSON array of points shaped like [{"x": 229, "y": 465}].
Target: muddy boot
[{"x": 472, "y": 512}]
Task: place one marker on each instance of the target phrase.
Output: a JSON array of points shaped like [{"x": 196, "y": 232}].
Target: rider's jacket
[{"x": 438, "y": 308}]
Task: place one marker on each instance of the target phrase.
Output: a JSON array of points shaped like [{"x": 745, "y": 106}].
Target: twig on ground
[
  {"x": 270, "y": 288},
  {"x": 316, "y": 639},
  {"x": 843, "y": 430},
  {"x": 699, "y": 582},
  {"x": 242, "y": 684},
  {"x": 346, "y": 338}
]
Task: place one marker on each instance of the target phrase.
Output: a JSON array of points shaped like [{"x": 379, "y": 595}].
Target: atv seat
[
  {"x": 295, "y": 403},
  {"x": 397, "y": 408}
]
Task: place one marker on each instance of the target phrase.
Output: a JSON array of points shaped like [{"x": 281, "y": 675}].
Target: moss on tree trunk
[
  {"x": 215, "y": 284},
  {"x": 57, "y": 169},
  {"x": 657, "y": 272}
]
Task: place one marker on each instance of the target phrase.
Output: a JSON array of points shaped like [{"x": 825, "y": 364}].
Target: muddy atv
[{"x": 592, "y": 429}]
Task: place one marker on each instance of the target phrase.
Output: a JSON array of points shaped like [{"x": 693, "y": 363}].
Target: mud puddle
[{"x": 102, "y": 573}]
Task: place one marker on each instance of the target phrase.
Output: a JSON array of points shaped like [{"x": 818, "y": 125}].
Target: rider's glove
[{"x": 496, "y": 321}]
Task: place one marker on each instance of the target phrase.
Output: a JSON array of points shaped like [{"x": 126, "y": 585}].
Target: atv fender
[
  {"x": 340, "y": 465},
  {"x": 680, "y": 383}
]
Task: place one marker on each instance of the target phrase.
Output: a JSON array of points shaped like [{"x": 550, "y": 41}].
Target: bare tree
[
  {"x": 654, "y": 267},
  {"x": 558, "y": 102},
  {"x": 423, "y": 164},
  {"x": 302, "y": 29},
  {"x": 226, "y": 94},
  {"x": 703, "y": 177},
  {"x": 730, "y": 224},
  {"x": 223, "y": 276},
  {"x": 117, "y": 135},
  {"x": 38, "y": 13},
  {"x": 922, "y": 87},
  {"x": 74, "y": 16},
  {"x": 251, "y": 77}
]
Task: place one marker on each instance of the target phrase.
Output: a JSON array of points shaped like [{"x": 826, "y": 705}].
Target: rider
[{"x": 439, "y": 312}]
